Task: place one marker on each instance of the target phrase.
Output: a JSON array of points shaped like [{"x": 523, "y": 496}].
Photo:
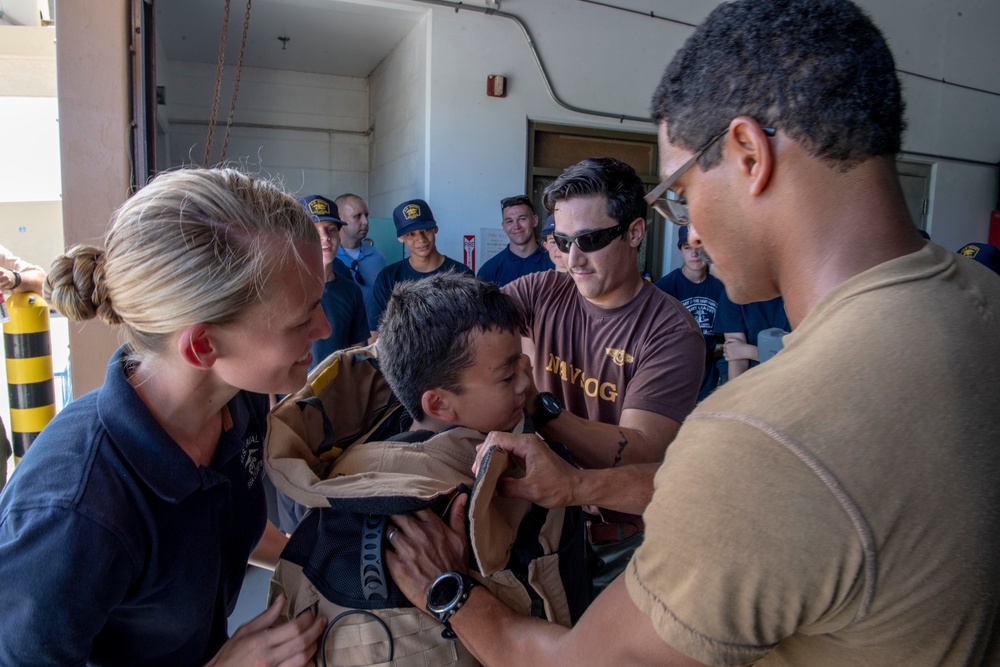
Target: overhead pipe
[
  {"x": 552, "y": 93},
  {"x": 538, "y": 61}
]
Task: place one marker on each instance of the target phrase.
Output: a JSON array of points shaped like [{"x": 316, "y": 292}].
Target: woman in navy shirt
[{"x": 126, "y": 529}]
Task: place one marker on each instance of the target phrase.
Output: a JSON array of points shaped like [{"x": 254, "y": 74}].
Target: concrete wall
[
  {"x": 955, "y": 42},
  {"x": 310, "y": 130},
  {"x": 399, "y": 112}
]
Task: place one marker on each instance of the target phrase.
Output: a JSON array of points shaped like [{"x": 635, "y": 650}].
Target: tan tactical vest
[{"x": 316, "y": 454}]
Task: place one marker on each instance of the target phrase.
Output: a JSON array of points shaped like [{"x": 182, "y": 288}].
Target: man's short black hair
[
  {"x": 601, "y": 176},
  {"x": 818, "y": 70},
  {"x": 428, "y": 332}
]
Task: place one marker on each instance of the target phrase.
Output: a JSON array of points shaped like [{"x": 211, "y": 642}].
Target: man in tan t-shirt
[{"x": 836, "y": 505}]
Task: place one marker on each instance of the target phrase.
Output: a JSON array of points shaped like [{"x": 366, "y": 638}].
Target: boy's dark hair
[
  {"x": 818, "y": 70},
  {"x": 429, "y": 329},
  {"x": 601, "y": 176}
]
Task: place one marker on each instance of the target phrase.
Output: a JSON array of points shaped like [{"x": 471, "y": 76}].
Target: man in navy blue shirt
[
  {"x": 522, "y": 255},
  {"x": 342, "y": 301},
  {"x": 699, "y": 292},
  {"x": 417, "y": 230}
]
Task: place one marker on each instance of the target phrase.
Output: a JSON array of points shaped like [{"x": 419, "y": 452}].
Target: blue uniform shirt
[
  {"x": 751, "y": 318},
  {"x": 345, "y": 311},
  {"x": 115, "y": 548},
  {"x": 505, "y": 266},
  {"x": 370, "y": 263},
  {"x": 400, "y": 272},
  {"x": 702, "y": 301}
]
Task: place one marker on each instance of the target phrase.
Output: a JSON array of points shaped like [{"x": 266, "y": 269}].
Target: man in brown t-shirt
[
  {"x": 622, "y": 358},
  {"x": 836, "y": 505}
]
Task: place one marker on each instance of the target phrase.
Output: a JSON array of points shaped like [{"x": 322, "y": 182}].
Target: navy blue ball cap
[
  {"x": 412, "y": 215},
  {"x": 549, "y": 227},
  {"x": 321, "y": 209},
  {"x": 984, "y": 253},
  {"x": 682, "y": 235}
]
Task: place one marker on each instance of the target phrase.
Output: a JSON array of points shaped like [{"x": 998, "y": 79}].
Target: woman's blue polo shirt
[{"x": 115, "y": 548}]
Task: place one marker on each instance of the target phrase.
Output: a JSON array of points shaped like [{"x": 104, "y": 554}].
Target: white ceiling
[{"x": 342, "y": 37}]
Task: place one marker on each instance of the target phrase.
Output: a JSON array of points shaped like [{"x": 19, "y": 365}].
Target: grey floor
[{"x": 253, "y": 597}]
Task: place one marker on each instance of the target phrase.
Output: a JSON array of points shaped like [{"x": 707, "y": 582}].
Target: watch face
[
  {"x": 444, "y": 592},
  {"x": 550, "y": 403}
]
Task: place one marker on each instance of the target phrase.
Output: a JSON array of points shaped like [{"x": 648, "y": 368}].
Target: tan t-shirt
[{"x": 840, "y": 504}]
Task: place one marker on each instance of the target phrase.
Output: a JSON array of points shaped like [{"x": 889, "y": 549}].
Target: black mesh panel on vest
[{"x": 328, "y": 546}]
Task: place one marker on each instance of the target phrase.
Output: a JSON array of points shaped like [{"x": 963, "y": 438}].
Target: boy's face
[
  {"x": 494, "y": 387},
  {"x": 329, "y": 238},
  {"x": 420, "y": 242},
  {"x": 693, "y": 258}
]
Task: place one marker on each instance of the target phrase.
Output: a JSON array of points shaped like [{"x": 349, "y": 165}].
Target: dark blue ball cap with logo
[
  {"x": 411, "y": 216},
  {"x": 682, "y": 235},
  {"x": 549, "y": 227},
  {"x": 321, "y": 209},
  {"x": 984, "y": 253}
]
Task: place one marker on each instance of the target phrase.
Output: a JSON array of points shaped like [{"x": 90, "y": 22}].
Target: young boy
[
  {"x": 700, "y": 292},
  {"x": 450, "y": 351}
]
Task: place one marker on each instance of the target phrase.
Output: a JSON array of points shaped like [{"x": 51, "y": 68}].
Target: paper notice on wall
[{"x": 494, "y": 240}]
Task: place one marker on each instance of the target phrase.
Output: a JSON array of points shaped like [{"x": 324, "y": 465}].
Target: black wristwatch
[
  {"x": 547, "y": 408},
  {"x": 446, "y": 596}
]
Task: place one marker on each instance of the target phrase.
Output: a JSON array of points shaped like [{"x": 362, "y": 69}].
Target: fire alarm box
[{"x": 496, "y": 85}]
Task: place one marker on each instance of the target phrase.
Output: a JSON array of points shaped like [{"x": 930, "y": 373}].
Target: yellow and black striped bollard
[{"x": 28, "y": 346}]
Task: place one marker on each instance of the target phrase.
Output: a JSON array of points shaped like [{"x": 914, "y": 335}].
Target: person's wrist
[
  {"x": 17, "y": 279},
  {"x": 547, "y": 408}
]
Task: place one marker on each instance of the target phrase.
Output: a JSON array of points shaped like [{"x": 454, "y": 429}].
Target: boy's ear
[
  {"x": 195, "y": 346},
  {"x": 436, "y": 404}
]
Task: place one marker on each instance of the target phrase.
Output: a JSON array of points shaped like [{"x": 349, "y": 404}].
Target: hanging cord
[
  {"x": 329, "y": 627},
  {"x": 236, "y": 84},
  {"x": 218, "y": 85}
]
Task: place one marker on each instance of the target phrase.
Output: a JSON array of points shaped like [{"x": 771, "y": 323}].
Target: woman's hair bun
[{"x": 75, "y": 285}]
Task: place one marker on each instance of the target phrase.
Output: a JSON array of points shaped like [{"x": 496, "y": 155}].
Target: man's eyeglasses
[
  {"x": 519, "y": 200},
  {"x": 356, "y": 270},
  {"x": 671, "y": 205},
  {"x": 591, "y": 241}
]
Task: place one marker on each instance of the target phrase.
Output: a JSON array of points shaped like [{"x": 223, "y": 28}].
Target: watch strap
[
  {"x": 542, "y": 414},
  {"x": 468, "y": 583}
]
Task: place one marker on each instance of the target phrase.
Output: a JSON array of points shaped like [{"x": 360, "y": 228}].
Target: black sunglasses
[
  {"x": 358, "y": 278},
  {"x": 591, "y": 241}
]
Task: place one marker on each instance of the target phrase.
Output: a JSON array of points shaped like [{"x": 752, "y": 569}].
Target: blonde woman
[{"x": 126, "y": 530}]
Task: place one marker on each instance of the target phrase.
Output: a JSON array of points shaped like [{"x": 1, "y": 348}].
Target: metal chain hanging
[
  {"x": 218, "y": 85},
  {"x": 236, "y": 83},
  {"x": 212, "y": 121}
]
